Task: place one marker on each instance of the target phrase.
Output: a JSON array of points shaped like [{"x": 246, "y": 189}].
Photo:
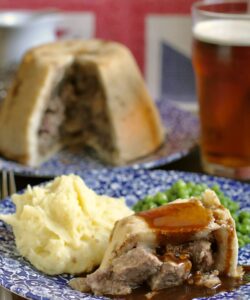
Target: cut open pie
[
  {"x": 191, "y": 240},
  {"x": 79, "y": 93}
]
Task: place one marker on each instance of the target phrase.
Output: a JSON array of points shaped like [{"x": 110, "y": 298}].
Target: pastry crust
[
  {"x": 135, "y": 125},
  {"x": 221, "y": 226},
  {"x": 192, "y": 240},
  {"x": 226, "y": 236}
]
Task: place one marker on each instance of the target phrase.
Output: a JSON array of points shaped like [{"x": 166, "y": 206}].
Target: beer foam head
[{"x": 223, "y": 32}]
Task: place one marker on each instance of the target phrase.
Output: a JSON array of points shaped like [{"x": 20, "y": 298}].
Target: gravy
[
  {"x": 188, "y": 292},
  {"x": 177, "y": 223}
]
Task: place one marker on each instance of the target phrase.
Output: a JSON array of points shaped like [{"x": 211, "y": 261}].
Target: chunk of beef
[
  {"x": 209, "y": 280},
  {"x": 103, "y": 282},
  {"x": 136, "y": 266},
  {"x": 173, "y": 272},
  {"x": 201, "y": 255},
  {"x": 199, "y": 251},
  {"x": 126, "y": 272}
]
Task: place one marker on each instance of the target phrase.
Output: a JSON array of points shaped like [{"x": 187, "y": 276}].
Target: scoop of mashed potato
[{"x": 63, "y": 226}]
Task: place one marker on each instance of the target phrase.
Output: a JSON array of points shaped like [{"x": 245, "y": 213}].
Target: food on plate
[
  {"x": 182, "y": 190},
  {"x": 81, "y": 94},
  {"x": 63, "y": 226},
  {"x": 192, "y": 240}
]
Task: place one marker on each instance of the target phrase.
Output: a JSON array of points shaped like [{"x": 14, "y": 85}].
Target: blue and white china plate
[
  {"x": 17, "y": 275},
  {"x": 182, "y": 135}
]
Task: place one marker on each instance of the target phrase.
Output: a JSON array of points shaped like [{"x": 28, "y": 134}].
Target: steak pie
[
  {"x": 192, "y": 241},
  {"x": 79, "y": 94}
]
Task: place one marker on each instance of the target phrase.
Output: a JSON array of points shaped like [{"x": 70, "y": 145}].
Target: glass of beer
[{"x": 221, "y": 61}]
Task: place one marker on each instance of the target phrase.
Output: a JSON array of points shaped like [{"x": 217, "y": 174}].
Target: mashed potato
[{"x": 63, "y": 226}]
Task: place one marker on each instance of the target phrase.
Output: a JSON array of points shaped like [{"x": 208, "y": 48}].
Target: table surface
[{"x": 190, "y": 163}]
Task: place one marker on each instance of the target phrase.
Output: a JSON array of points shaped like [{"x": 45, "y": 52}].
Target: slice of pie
[
  {"x": 78, "y": 94},
  {"x": 191, "y": 241}
]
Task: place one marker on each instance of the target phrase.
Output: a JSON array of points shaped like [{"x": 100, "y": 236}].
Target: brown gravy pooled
[{"x": 188, "y": 292}]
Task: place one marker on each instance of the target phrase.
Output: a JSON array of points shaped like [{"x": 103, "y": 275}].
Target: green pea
[
  {"x": 244, "y": 215},
  {"x": 180, "y": 184},
  {"x": 161, "y": 202},
  {"x": 160, "y": 196},
  {"x": 246, "y": 221},
  {"x": 216, "y": 188},
  {"x": 246, "y": 239},
  {"x": 233, "y": 206},
  {"x": 148, "y": 198},
  {"x": 183, "y": 194},
  {"x": 241, "y": 242},
  {"x": 152, "y": 205},
  {"x": 245, "y": 229}
]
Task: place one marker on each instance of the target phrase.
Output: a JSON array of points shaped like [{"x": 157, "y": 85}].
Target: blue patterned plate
[
  {"x": 183, "y": 132},
  {"x": 20, "y": 277}
]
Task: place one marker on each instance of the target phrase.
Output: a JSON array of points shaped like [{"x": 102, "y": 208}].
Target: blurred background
[{"x": 157, "y": 32}]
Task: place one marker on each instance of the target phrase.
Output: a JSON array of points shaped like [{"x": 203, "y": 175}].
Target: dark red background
[{"x": 119, "y": 20}]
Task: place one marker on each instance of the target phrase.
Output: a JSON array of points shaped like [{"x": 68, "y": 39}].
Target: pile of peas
[{"x": 184, "y": 190}]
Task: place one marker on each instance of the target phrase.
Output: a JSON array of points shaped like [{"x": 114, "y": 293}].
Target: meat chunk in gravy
[
  {"x": 174, "y": 271},
  {"x": 127, "y": 271},
  {"x": 143, "y": 265}
]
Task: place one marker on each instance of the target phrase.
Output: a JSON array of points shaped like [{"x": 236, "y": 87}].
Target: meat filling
[
  {"x": 127, "y": 271},
  {"x": 174, "y": 265},
  {"x": 76, "y": 113},
  {"x": 49, "y": 131},
  {"x": 174, "y": 271}
]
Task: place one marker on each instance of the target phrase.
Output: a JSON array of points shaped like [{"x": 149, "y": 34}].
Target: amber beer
[{"x": 221, "y": 60}]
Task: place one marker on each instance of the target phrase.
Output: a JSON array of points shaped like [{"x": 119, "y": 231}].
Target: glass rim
[{"x": 196, "y": 8}]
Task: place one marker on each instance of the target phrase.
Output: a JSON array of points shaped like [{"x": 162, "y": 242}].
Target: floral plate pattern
[
  {"x": 17, "y": 275},
  {"x": 182, "y": 135}
]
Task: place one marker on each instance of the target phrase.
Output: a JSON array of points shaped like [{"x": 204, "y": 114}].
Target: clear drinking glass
[{"x": 221, "y": 60}]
